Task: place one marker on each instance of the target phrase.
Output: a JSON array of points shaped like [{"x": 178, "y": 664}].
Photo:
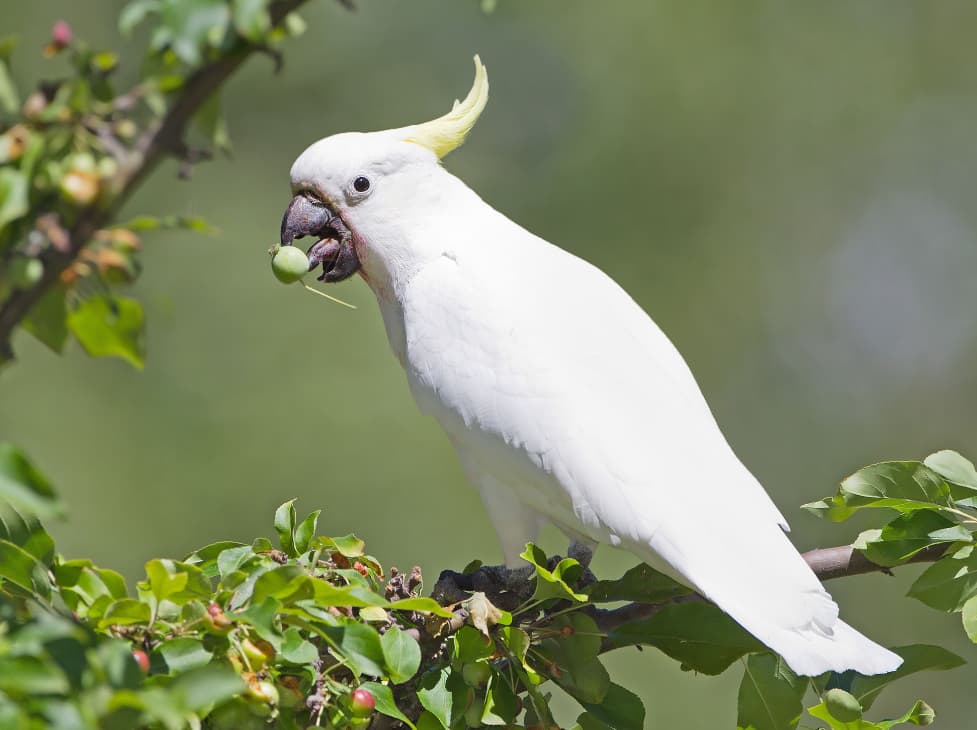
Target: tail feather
[
  {"x": 813, "y": 651},
  {"x": 779, "y": 600}
]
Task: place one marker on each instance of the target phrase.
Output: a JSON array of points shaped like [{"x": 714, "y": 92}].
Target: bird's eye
[{"x": 361, "y": 184}]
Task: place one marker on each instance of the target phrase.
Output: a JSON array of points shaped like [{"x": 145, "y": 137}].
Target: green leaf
[
  {"x": 305, "y": 532},
  {"x": 385, "y": 703},
  {"x": 470, "y": 645},
  {"x": 949, "y": 582},
  {"x": 360, "y": 644},
  {"x": 401, "y": 654},
  {"x": 9, "y": 98},
  {"x": 285, "y": 526},
  {"x": 24, "y": 487},
  {"x": 349, "y": 546},
  {"x": 262, "y": 617},
  {"x": 19, "y": 567},
  {"x": 133, "y": 14},
  {"x": 296, "y": 649},
  {"x": 251, "y": 19},
  {"x": 916, "y": 658},
  {"x": 953, "y": 467},
  {"x": 697, "y": 634},
  {"x": 189, "y": 28},
  {"x": 770, "y": 695},
  {"x": 501, "y": 705},
  {"x": 287, "y": 583},
  {"x": 422, "y": 605},
  {"x": 555, "y": 583},
  {"x": 14, "y": 187},
  {"x": 573, "y": 650},
  {"x": 900, "y": 485},
  {"x": 47, "y": 320},
  {"x": 125, "y": 612},
  {"x": 969, "y": 617},
  {"x": 621, "y": 709},
  {"x": 919, "y": 714},
  {"x": 110, "y": 327},
  {"x": 821, "y": 712},
  {"x": 444, "y": 695},
  {"x": 641, "y": 584},
  {"x": 909, "y": 533},
  {"x": 518, "y": 642},
  {"x": 27, "y": 533},
  {"x": 171, "y": 580},
  {"x": 183, "y": 654},
  {"x": 31, "y": 675},
  {"x": 207, "y": 685}
]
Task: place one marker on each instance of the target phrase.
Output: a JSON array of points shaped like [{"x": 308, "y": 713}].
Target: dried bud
[
  {"x": 61, "y": 35},
  {"x": 80, "y": 188},
  {"x": 34, "y": 106}
]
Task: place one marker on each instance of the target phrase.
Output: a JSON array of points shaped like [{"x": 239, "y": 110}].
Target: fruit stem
[{"x": 323, "y": 294}]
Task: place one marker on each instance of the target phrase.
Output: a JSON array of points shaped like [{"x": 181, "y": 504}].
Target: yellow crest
[{"x": 446, "y": 133}]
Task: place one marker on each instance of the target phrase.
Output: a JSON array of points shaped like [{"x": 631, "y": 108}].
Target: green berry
[
  {"x": 289, "y": 264},
  {"x": 842, "y": 706}
]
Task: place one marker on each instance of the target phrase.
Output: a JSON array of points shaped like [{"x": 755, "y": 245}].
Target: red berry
[
  {"x": 142, "y": 659},
  {"x": 61, "y": 35},
  {"x": 362, "y": 702},
  {"x": 214, "y": 610}
]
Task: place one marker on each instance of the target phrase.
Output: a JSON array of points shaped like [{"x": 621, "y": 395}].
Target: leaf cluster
[
  {"x": 280, "y": 634},
  {"x": 73, "y": 147}
]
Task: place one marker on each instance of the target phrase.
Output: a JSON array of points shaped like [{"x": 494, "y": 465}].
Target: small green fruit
[
  {"x": 289, "y": 264},
  {"x": 256, "y": 655},
  {"x": 476, "y": 674},
  {"x": 263, "y": 691},
  {"x": 83, "y": 162},
  {"x": 842, "y": 705}
]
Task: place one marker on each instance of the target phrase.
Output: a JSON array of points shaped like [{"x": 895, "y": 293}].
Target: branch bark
[{"x": 157, "y": 142}]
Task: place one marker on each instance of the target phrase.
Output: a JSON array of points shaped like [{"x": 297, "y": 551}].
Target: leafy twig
[{"x": 158, "y": 141}]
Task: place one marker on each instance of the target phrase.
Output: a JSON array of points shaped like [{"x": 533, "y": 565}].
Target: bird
[{"x": 564, "y": 401}]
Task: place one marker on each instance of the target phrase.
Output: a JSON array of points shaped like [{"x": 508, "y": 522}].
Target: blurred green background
[{"x": 788, "y": 188}]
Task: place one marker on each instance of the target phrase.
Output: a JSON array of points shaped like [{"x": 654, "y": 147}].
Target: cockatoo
[{"x": 564, "y": 401}]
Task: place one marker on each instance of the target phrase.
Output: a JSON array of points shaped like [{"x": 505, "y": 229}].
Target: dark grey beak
[{"x": 308, "y": 216}]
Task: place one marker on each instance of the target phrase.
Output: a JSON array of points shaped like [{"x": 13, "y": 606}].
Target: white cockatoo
[{"x": 564, "y": 401}]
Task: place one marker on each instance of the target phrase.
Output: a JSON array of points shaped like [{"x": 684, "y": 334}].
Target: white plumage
[{"x": 564, "y": 400}]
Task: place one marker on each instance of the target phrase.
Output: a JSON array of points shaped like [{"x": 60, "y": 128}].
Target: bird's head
[{"x": 355, "y": 189}]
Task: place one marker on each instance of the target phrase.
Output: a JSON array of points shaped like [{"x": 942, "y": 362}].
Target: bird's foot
[{"x": 505, "y": 587}]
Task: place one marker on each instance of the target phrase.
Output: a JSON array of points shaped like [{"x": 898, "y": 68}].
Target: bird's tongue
[
  {"x": 308, "y": 216},
  {"x": 336, "y": 253}
]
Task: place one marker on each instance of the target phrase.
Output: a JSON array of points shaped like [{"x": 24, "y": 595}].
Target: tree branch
[{"x": 156, "y": 143}]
